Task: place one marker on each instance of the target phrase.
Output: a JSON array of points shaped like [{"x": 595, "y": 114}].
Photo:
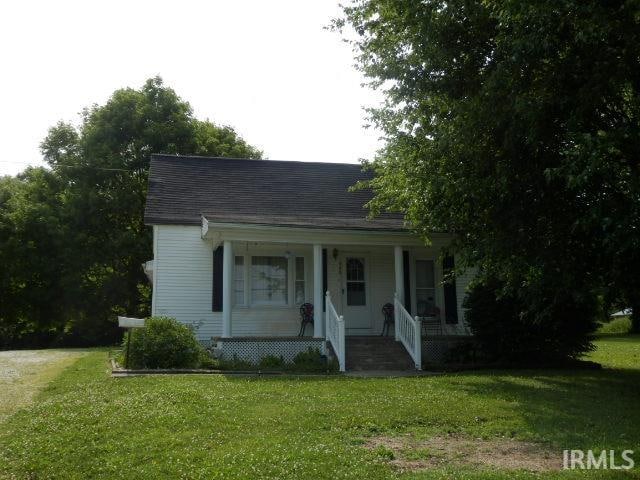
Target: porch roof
[
  {"x": 183, "y": 190},
  {"x": 339, "y": 223}
]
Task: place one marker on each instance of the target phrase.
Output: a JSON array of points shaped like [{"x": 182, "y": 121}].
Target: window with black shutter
[{"x": 216, "y": 293}]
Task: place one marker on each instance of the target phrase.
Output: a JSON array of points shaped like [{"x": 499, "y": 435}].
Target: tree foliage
[
  {"x": 515, "y": 126},
  {"x": 72, "y": 235},
  {"x": 32, "y": 236},
  {"x": 507, "y": 334}
]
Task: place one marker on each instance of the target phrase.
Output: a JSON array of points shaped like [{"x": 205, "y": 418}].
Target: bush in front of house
[
  {"x": 312, "y": 360},
  {"x": 271, "y": 362},
  {"x": 309, "y": 361},
  {"x": 164, "y": 343},
  {"x": 508, "y": 331},
  {"x": 207, "y": 362},
  {"x": 236, "y": 364}
]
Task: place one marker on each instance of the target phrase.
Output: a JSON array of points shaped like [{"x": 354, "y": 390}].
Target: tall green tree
[
  {"x": 515, "y": 126},
  {"x": 90, "y": 203},
  {"x": 32, "y": 239}
]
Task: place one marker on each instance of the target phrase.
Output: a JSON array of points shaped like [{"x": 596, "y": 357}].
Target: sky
[{"x": 267, "y": 68}]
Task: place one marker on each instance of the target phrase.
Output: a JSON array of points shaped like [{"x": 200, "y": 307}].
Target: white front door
[{"x": 356, "y": 302}]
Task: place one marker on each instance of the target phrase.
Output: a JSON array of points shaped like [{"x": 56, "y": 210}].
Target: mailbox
[{"x": 128, "y": 322}]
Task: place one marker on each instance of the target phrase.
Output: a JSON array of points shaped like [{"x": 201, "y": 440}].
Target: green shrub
[
  {"x": 163, "y": 343},
  {"x": 463, "y": 353},
  {"x": 235, "y": 364},
  {"x": 550, "y": 329},
  {"x": 312, "y": 361},
  {"x": 271, "y": 362},
  {"x": 208, "y": 362}
]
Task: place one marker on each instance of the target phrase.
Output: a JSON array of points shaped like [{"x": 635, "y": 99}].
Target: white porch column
[
  {"x": 227, "y": 283},
  {"x": 317, "y": 292},
  {"x": 399, "y": 264}
]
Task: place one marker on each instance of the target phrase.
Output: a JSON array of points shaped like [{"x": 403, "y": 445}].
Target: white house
[{"x": 239, "y": 245}]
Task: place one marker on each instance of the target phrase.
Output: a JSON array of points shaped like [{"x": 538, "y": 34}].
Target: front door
[{"x": 355, "y": 294}]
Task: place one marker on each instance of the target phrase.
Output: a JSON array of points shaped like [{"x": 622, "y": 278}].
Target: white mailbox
[{"x": 128, "y": 322}]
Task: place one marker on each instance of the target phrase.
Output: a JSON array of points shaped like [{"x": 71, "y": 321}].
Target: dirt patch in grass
[
  {"x": 23, "y": 373},
  {"x": 408, "y": 453}
]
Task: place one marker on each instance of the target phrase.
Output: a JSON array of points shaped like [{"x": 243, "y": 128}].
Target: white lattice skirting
[{"x": 253, "y": 349}]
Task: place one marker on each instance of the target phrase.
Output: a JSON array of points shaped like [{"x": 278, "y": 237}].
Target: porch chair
[
  {"x": 431, "y": 321},
  {"x": 387, "y": 311},
  {"x": 306, "y": 317}
]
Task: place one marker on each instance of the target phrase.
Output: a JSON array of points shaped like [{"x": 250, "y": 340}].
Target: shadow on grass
[
  {"x": 570, "y": 409},
  {"x": 618, "y": 337},
  {"x": 567, "y": 409}
]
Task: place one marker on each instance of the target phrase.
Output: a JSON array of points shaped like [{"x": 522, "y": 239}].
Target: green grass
[
  {"x": 24, "y": 373},
  {"x": 86, "y": 424},
  {"x": 619, "y": 325},
  {"x": 618, "y": 352}
]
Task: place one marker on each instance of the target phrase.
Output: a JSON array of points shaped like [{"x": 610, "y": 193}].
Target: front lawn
[
  {"x": 89, "y": 425},
  {"x": 617, "y": 351},
  {"x": 23, "y": 373}
]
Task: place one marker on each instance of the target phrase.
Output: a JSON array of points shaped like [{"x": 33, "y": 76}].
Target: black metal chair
[
  {"x": 389, "y": 319},
  {"x": 430, "y": 318},
  {"x": 306, "y": 317}
]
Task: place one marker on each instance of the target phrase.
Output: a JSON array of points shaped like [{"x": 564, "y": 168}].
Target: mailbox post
[{"x": 129, "y": 323}]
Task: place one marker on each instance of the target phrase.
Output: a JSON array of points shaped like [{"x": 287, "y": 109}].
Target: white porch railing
[
  {"x": 335, "y": 331},
  {"x": 408, "y": 331}
]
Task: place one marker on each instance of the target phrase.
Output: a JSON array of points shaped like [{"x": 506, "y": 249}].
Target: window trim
[
  {"x": 287, "y": 302},
  {"x": 364, "y": 281},
  {"x": 248, "y": 253},
  {"x": 296, "y": 279},
  {"x": 244, "y": 281}
]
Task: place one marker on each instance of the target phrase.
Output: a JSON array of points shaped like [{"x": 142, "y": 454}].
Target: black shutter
[
  {"x": 407, "y": 280},
  {"x": 216, "y": 293},
  {"x": 450, "y": 298},
  {"x": 324, "y": 279}
]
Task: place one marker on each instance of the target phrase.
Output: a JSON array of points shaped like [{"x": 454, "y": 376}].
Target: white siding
[
  {"x": 183, "y": 278},
  {"x": 383, "y": 284},
  {"x": 381, "y": 281},
  {"x": 273, "y": 320},
  {"x": 462, "y": 282},
  {"x": 183, "y": 284}
]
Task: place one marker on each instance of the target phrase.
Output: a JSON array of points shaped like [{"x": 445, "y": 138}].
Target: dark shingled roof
[{"x": 259, "y": 192}]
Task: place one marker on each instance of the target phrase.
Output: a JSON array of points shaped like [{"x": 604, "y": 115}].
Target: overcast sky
[{"x": 267, "y": 68}]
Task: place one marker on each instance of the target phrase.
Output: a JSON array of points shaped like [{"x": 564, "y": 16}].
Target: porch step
[{"x": 376, "y": 353}]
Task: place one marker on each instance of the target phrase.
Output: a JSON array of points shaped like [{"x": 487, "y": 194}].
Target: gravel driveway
[{"x": 23, "y": 373}]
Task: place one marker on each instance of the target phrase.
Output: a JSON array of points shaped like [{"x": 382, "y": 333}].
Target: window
[
  {"x": 299, "y": 287},
  {"x": 269, "y": 280},
  {"x": 238, "y": 281},
  {"x": 356, "y": 288},
  {"x": 425, "y": 288}
]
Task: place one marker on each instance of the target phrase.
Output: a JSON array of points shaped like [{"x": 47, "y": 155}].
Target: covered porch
[{"x": 263, "y": 274}]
